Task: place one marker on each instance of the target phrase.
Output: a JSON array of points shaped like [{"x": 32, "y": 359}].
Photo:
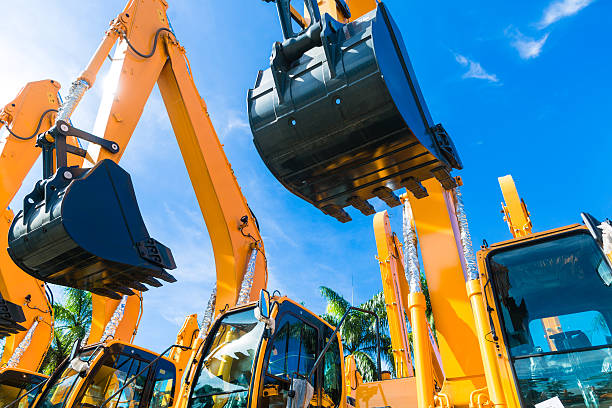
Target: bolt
[
  {"x": 64, "y": 127},
  {"x": 67, "y": 175},
  {"x": 114, "y": 146}
]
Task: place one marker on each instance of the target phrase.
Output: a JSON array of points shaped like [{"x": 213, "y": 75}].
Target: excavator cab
[
  {"x": 17, "y": 383},
  {"x": 82, "y": 228},
  {"x": 339, "y": 117},
  {"x": 552, "y": 293},
  {"x": 290, "y": 359},
  {"x": 113, "y": 374}
]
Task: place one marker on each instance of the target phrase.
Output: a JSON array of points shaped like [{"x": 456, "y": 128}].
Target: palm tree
[
  {"x": 72, "y": 322},
  {"x": 358, "y": 332}
]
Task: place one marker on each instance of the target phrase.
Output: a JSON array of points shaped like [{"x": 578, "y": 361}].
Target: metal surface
[
  {"x": 82, "y": 228},
  {"x": 23, "y": 346},
  {"x": 247, "y": 281},
  {"x": 11, "y": 315},
  {"x": 514, "y": 209},
  {"x": 395, "y": 289},
  {"x": 442, "y": 259},
  {"x": 466, "y": 238},
  {"x": 31, "y": 112},
  {"x": 372, "y": 127},
  {"x": 411, "y": 257},
  {"x": 209, "y": 314},
  {"x": 75, "y": 94}
]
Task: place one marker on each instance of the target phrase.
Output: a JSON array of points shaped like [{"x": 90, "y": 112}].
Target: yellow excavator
[
  {"x": 31, "y": 112},
  {"x": 346, "y": 64},
  {"x": 29, "y": 332},
  {"x": 49, "y": 242}
]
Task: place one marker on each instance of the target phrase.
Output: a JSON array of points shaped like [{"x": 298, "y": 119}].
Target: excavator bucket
[
  {"x": 82, "y": 228},
  {"x": 339, "y": 117},
  {"x": 10, "y": 317}
]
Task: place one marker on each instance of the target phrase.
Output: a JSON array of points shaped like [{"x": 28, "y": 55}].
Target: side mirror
[
  {"x": 264, "y": 304},
  {"x": 602, "y": 234},
  {"x": 593, "y": 226},
  {"x": 263, "y": 310},
  {"x": 76, "y": 348}
]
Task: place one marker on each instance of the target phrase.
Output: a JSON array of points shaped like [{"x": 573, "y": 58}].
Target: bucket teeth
[
  {"x": 86, "y": 232},
  {"x": 363, "y": 136},
  {"x": 138, "y": 286},
  {"x": 165, "y": 276},
  {"x": 415, "y": 187},
  {"x": 388, "y": 196},
  {"x": 362, "y": 205},
  {"x": 124, "y": 290},
  {"x": 106, "y": 293},
  {"x": 337, "y": 212},
  {"x": 444, "y": 177},
  {"x": 152, "y": 282}
]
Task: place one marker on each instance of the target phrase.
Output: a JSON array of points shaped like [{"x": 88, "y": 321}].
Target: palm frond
[{"x": 336, "y": 304}]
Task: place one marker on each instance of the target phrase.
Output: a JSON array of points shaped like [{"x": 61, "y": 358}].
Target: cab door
[{"x": 291, "y": 353}]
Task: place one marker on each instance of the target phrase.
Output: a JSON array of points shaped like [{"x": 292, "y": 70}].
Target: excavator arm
[
  {"x": 149, "y": 52},
  {"x": 31, "y": 112}
]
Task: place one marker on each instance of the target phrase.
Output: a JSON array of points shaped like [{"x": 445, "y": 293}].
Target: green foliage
[
  {"x": 359, "y": 330},
  {"x": 72, "y": 321}
]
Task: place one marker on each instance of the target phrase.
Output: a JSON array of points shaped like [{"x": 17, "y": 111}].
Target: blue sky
[{"x": 523, "y": 87}]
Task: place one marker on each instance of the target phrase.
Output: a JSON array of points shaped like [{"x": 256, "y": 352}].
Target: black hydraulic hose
[
  {"x": 332, "y": 338},
  {"x": 149, "y": 55},
  {"x": 37, "y": 127}
]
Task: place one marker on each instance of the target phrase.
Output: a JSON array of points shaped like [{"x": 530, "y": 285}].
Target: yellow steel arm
[
  {"x": 187, "y": 336},
  {"x": 30, "y": 113},
  {"x": 105, "y": 309},
  {"x": 395, "y": 288},
  {"x": 33, "y": 112},
  {"x": 514, "y": 209},
  {"x": 162, "y": 59},
  {"x": 443, "y": 262}
]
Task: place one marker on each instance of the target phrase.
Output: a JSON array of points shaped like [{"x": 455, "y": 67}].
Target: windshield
[
  {"x": 224, "y": 376},
  {"x": 555, "y": 301},
  {"x": 14, "y": 386},
  {"x": 56, "y": 393}
]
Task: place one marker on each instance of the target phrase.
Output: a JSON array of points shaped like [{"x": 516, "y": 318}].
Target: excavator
[
  {"x": 254, "y": 349},
  {"x": 31, "y": 112},
  {"x": 28, "y": 319},
  {"x": 49, "y": 241}
]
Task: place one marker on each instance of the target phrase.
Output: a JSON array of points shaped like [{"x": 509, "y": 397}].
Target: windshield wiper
[{"x": 219, "y": 393}]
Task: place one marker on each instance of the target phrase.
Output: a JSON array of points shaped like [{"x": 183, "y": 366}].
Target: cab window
[
  {"x": 332, "y": 376},
  {"x": 292, "y": 354},
  {"x": 110, "y": 377}
]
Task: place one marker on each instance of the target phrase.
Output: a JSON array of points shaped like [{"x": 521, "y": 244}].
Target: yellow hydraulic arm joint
[
  {"x": 148, "y": 52},
  {"x": 395, "y": 289},
  {"x": 30, "y": 113},
  {"x": 514, "y": 209}
]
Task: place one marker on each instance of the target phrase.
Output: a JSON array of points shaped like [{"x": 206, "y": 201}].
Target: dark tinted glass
[{"x": 556, "y": 305}]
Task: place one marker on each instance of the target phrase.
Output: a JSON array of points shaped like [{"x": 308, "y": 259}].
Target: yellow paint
[
  {"x": 437, "y": 230},
  {"x": 515, "y": 210},
  {"x": 395, "y": 289}
]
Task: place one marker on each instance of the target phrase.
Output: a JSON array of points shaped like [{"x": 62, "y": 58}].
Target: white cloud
[
  {"x": 527, "y": 47},
  {"x": 561, "y": 9},
  {"x": 475, "y": 70}
]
